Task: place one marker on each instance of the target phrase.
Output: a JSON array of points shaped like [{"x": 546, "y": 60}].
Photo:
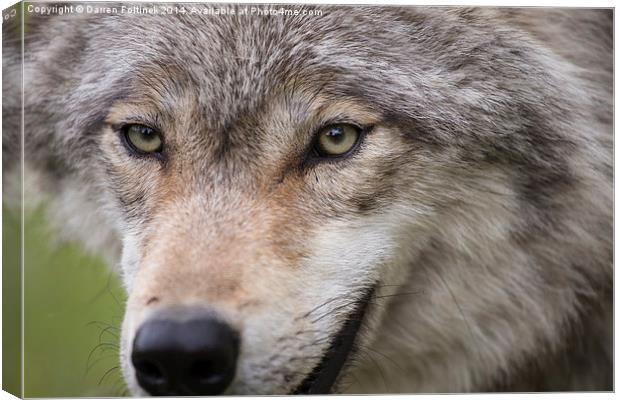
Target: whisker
[
  {"x": 104, "y": 346},
  {"x": 118, "y": 303},
  {"x": 107, "y": 373},
  {"x": 465, "y": 320},
  {"x": 319, "y": 306},
  {"x": 348, "y": 304},
  {"x": 388, "y": 285},
  {"x": 120, "y": 386},
  {"x": 334, "y": 310},
  {"x": 384, "y": 356},
  {"x": 105, "y": 324},
  {"x": 381, "y": 372},
  {"x": 398, "y": 294},
  {"x": 89, "y": 367},
  {"x": 108, "y": 331}
]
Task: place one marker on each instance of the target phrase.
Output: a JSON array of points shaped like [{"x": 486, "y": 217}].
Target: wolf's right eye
[
  {"x": 337, "y": 140},
  {"x": 142, "y": 139}
]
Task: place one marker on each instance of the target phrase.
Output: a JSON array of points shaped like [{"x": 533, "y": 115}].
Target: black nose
[{"x": 191, "y": 357}]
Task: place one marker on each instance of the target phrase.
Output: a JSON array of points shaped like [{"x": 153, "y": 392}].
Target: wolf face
[{"x": 365, "y": 200}]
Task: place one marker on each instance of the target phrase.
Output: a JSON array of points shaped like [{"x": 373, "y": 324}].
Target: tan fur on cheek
[{"x": 286, "y": 239}]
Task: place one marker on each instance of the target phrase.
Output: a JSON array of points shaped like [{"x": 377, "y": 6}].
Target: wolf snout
[{"x": 185, "y": 353}]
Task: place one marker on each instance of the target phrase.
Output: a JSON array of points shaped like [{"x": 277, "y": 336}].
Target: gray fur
[{"x": 504, "y": 124}]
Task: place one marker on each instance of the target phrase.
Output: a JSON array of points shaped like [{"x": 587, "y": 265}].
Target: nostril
[
  {"x": 150, "y": 371},
  {"x": 205, "y": 372}
]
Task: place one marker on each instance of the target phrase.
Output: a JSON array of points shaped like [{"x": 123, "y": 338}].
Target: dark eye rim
[
  {"x": 133, "y": 150},
  {"x": 316, "y": 156}
]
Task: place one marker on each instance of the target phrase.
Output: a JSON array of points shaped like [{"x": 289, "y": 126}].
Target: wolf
[{"x": 332, "y": 199}]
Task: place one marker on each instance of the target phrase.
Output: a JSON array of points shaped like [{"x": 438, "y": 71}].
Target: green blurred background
[{"x": 73, "y": 307}]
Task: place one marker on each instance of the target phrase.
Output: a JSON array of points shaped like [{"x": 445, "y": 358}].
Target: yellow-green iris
[
  {"x": 336, "y": 140},
  {"x": 143, "y": 138}
]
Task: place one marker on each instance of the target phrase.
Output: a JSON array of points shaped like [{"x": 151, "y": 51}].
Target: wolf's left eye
[
  {"x": 337, "y": 140},
  {"x": 143, "y": 139}
]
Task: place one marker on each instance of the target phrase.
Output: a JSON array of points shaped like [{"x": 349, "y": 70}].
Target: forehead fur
[{"x": 447, "y": 75}]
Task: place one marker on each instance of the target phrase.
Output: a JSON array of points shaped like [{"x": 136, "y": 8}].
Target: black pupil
[
  {"x": 146, "y": 132},
  {"x": 335, "y": 134}
]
